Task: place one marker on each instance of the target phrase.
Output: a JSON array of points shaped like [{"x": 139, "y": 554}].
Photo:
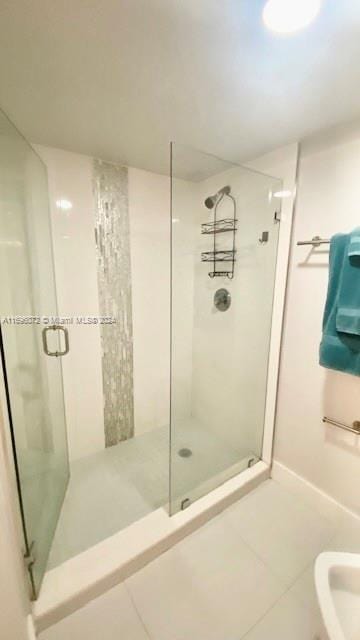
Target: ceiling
[{"x": 119, "y": 79}]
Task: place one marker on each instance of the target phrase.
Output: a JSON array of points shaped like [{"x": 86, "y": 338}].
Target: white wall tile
[
  {"x": 231, "y": 349},
  {"x": 70, "y": 178},
  {"x": 149, "y": 212}
]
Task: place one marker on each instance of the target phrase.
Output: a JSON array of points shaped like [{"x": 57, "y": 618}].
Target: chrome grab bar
[
  {"x": 355, "y": 428},
  {"x": 55, "y": 327}
]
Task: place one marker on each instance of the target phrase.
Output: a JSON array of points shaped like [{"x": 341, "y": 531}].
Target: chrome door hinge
[
  {"x": 185, "y": 503},
  {"x": 29, "y": 556}
]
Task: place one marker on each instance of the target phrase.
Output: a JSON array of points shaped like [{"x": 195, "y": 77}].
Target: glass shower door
[
  {"x": 33, "y": 379},
  {"x": 224, "y": 250}
]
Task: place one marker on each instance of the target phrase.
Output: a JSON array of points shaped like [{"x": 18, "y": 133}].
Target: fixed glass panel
[
  {"x": 224, "y": 250},
  {"x": 34, "y": 379}
]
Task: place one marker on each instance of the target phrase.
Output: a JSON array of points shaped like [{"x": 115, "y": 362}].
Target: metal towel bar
[
  {"x": 315, "y": 242},
  {"x": 355, "y": 428}
]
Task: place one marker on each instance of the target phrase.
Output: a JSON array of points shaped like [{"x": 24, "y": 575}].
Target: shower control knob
[{"x": 222, "y": 299}]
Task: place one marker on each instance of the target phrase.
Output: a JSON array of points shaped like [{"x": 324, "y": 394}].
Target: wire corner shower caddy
[{"x": 220, "y": 226}]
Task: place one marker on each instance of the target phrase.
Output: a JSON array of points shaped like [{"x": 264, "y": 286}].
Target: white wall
[
  {"x": 70, "y": 178},
  {"x": 328, "y": 202}
]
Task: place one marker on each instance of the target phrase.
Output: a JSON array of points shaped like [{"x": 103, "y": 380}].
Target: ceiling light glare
[
  {"x": 287, "y": 16},
  {"x": 63, "y": 204}
]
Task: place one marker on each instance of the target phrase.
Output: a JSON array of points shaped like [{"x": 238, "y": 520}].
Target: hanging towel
[
  {"x": 348, "y": 314},
  {"x": 338, "y": 350}
]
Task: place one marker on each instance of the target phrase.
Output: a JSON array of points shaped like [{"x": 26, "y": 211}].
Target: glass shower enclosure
[
  {"x": 30, "y": 345},
  {"x": 224, "y": 239}
]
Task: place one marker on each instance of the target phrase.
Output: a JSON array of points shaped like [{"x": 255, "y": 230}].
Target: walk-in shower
[{"x": 140, "y": 451}]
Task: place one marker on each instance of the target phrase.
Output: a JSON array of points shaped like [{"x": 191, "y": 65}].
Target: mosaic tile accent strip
[{"x": 112, "y": 236}]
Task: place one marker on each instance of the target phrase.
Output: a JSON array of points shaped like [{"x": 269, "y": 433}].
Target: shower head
[{"x": 211, "y": 201}]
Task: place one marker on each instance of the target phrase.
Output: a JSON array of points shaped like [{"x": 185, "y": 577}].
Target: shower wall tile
[
  {"x": 112, "y": 236},
  {"x": 70, "y": 177}
]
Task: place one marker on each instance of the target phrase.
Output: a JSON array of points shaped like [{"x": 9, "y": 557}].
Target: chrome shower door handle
[{"x": 55, "y": 327}]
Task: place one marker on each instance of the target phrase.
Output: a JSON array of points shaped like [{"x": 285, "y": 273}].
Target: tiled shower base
[
  {"x": 247, "y": 574},
  {"x": 112, "y": 489}
]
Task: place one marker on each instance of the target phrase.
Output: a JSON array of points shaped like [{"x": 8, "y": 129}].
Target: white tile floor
[
  {"x": 246, "y": 574},
  {"x": 111, "y": 489}
]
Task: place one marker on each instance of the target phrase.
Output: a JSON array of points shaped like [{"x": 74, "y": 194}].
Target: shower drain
[{"x": 185, "y": 453}]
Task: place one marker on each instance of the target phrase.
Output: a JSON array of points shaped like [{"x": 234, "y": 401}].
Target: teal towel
[
  {"x": 338, "y": 350},
  {"x": 348, "y": 314}
]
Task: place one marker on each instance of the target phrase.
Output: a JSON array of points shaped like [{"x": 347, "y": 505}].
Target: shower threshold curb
[{"x": 91, "y": 573}]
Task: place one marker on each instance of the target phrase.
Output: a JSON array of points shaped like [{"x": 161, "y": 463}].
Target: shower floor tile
[
  {"x": 214, "y": 584},
  {"x": 111, "y": 489}
]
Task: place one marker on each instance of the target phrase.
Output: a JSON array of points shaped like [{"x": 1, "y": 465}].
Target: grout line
[
  {"x": 254, "y": 551},
  {"x": 269, "y": 569},
  {"x": 264, "y": 562},
  {"x": 279, "y": 579},
  {"x": 263, "y": 615},
  {"x": 133, "y": 601},
  {"x": 299, "y": 602},
  {"x": 275, "y": 575}
]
